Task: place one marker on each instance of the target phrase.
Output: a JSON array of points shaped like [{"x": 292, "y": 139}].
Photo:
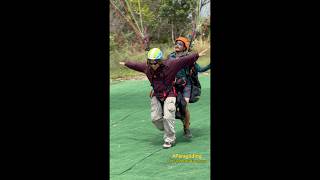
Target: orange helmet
[{"x": 185, "y": 40}]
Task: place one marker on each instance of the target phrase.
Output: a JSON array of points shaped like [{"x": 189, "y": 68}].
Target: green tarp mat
[{"x": 136, "y": 145}]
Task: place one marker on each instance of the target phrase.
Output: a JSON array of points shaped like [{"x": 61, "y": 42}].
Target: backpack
[{"x": 192, "y": 75}]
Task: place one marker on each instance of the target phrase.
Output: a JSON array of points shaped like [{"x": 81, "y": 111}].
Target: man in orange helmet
[{"x": 181, "y": 48}]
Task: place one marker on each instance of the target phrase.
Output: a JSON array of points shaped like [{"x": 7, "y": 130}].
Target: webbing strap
[{"x": 168, "y": 87}]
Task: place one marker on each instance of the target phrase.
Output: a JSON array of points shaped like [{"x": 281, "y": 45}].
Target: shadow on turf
[
  {"x": 156, "y": 138},
  {"x": 196, "y": 132}
]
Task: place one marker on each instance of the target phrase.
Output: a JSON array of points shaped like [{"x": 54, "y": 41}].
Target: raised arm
[{"x": 186, "y": 61}]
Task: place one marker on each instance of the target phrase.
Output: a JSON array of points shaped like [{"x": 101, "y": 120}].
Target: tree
[
  {"x": 137, "y": 16},
  {"x": 178, "y": 14},
  {"x": 164, "y": 19}
]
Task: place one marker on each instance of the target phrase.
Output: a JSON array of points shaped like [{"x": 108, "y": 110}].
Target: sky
[{"x": 205, "y": 11}]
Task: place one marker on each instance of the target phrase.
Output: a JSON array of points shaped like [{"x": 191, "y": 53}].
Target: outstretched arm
[
  {"x": 186, "y": 60},
  {"x": 200, "y": 69},
  {"x": 137, "y": 66}
]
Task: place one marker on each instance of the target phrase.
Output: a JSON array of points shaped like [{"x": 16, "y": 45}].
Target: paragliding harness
[
  {"x": 180, "y": 101},
  {"x": 195, "y": 93},
  {"x": 195, "y": 86},
  {"x": 164, "y": 94}
]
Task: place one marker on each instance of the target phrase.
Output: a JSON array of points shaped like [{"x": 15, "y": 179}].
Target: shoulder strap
[{"x": 172, "y": 55}]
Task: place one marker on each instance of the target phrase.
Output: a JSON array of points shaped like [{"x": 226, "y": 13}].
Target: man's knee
[
  {"x": 156, "y": 116},
  {"x": 156, "y": 110},
  {"x": 158, "y": 123},
  {"x": 170, "y": 114}
]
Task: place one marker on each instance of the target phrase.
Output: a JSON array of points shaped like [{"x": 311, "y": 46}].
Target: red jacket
[{"x": 164, "y": 76}]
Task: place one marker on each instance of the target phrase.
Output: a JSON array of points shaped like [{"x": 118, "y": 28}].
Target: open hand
[{"x": 202, "y": 53}]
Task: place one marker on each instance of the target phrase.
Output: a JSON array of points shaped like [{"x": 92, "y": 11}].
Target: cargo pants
[{"x": 164, "y": 117}]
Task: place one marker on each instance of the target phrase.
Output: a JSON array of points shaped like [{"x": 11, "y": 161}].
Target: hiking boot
[
  {"x": 187, "y": 133},
  {"x": 168, "y": 144}
]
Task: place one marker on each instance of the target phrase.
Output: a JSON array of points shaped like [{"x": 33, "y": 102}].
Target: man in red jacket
[{"x": 161, "y": 74}]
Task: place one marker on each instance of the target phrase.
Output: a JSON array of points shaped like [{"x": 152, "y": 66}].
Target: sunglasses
[
  {"x": 153, "y": 61},
  {"x": 179, "y": 44}
]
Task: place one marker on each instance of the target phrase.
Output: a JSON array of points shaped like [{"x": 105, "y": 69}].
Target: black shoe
[{"x": 187, "y": 133}]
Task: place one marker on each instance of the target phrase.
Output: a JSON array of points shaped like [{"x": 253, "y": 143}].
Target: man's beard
[
  {"x": 181, "y": 53},
  {"x": 177, "y": 49}
]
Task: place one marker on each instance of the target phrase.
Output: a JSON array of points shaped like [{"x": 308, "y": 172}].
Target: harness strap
[
  {"x": 167, "y": 90},
  {"x": 174, "y": 90}
]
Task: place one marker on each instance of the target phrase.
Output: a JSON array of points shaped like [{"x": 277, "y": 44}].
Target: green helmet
[{"x": 155, "y": 54}]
